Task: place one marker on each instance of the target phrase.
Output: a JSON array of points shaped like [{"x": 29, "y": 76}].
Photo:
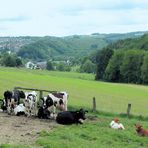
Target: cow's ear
[
  {"x": 81, "y": 110},
  {"x": 42, "y": 99}
]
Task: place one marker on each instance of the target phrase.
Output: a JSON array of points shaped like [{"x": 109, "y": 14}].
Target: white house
[{"x": 30, "y": 65}]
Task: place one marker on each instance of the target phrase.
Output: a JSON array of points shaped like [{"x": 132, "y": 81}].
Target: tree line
[{"x": 128, "y": 66}]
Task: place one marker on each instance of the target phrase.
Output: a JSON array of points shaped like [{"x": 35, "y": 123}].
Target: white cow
[
  {"x": 19, "y": 109},
  {"x": 30, "y": 103},
  {"x": 116, "y": 125}
]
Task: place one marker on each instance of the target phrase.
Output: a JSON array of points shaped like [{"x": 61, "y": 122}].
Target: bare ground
[{"x": 22, "y": 130}]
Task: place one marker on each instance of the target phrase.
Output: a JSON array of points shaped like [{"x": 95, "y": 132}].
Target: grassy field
[
  {"x": 93, "y": 133},
  {"x": 111, "y": 98}
]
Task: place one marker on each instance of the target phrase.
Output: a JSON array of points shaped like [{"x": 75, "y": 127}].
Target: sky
[{"x": 71, "y": 17}]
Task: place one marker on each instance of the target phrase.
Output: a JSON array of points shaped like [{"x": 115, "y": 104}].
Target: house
[
  {"x": 41, "y": 65},
  {"x": 30, "y": 65}
]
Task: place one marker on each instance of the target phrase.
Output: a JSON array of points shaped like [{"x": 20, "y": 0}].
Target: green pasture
[
  {"x": 94, "y": 133},
  {"x": 110, "y": 97}
]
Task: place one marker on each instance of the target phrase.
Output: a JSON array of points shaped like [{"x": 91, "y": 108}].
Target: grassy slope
[
  {"x": 81, "y": 88},
  {"x": 93, "y": 133}
]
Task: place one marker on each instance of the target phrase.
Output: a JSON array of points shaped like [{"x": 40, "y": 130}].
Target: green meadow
[
  {"x": 94, "y": 133},
  {"x": 110, "y": 97}
]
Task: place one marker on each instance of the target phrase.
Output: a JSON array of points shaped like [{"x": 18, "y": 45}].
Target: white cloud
[{"x": 67, "y": 17}]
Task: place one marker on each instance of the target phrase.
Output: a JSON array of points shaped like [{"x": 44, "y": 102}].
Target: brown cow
[{"x": 141, "y": 131}]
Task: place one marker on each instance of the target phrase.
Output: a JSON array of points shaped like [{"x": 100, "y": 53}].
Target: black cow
[
  {"x": 43, "y": 113},
  {"x": 70, "y": 117}
]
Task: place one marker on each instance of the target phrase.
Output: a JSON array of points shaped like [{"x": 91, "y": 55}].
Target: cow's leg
[
  {"x": 9, "y": 107},
  {"x": 18, "y": 101},
  {"x": 54, "y": 112},
  {"x": 6, "y": 101},
  {"x": 65, "y": 106}
]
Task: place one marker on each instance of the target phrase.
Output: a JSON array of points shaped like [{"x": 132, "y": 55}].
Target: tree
[
  {"x": 8, "y": 60},
  {"x": 18, "y": 62},
  {"x": 88, "y": 67},
  {"x": 63, "y": 67},
  {"x": 144, "y": 70},
  {"x": 50, "y": 65},
  {"x": 131, "y": 66},
  {"x": 112, "y": 72},
  {"x": 102, "y": 59}
]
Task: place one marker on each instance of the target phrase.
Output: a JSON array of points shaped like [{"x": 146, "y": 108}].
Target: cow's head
[
  {"x": 47, "y": 102},
  {"x": 138, "y": 127},
  {"x": 8, "y": 94},
  {"x": 21, "y": 94},
  {"x": 81, "y": 115}
]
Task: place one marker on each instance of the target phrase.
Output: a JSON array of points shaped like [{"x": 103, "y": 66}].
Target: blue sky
[{"x": 69, "y": 17}]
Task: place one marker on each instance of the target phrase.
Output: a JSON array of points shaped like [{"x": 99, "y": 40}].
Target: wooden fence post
[
  {"x": 128, "y": 110},
  {"x": 41, "y": 94},
  {"x": 94, "y": 104}
]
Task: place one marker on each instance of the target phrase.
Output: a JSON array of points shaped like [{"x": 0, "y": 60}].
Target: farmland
[{"x": 111, "y": 98}]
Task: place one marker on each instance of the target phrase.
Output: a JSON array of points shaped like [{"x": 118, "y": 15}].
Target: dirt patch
[{"x": 22, "y": 130}]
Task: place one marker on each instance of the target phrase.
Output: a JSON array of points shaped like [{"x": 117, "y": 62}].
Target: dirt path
[{"x": 22, "y": 130}]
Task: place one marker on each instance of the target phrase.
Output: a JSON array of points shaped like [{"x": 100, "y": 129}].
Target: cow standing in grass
[
  {"x": 53, "y": 102},
  {"x": 11, "y": 99},
  {"x": 30, "y": 103}
]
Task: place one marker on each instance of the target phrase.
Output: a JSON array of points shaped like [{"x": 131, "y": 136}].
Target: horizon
[
  {"x": 67, "y": 18},
  {"x": 77, "y": 34}
]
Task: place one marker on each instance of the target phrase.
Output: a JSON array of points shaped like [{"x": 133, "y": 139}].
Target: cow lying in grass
[
  {"x": 19, "y": 110},
  {"x": 53, "y": 102},
  {"x": 43, "y": 113},
  {"x": 116, "y": 125},
  {"x": 141, "y": 131},
  {"x": 70, "y": 117}
]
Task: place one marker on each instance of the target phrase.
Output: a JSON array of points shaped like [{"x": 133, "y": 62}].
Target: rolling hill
[
  {"x": 131, "y": 43},
  {"x": 76, "y": 46}
]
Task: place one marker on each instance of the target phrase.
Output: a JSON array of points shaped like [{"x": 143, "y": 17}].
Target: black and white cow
[
  {"x": 30, "y": 103},
  {"x": 70, "y": 117},
  {"x": 53, "y": 101},
  {"x": 11, "y": 99},
  {"x": 59, "y": 100},
  {"x": 43, "y": 113}
]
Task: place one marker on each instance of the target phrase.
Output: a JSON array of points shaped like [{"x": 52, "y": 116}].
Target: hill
[
  {"x": 69, "y": 47},
  {"x": 131, "y": 43}
]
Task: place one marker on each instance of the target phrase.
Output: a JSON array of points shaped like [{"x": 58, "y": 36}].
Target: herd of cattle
[{"x": 54, "y": 105}]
